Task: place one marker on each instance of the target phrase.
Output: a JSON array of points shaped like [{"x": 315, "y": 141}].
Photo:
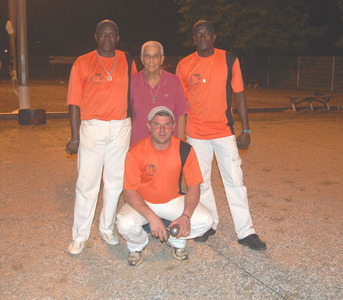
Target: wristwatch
[{"x": 246, "y": 131}]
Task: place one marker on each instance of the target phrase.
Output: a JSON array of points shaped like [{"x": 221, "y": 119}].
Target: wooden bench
[
  {"x": 67, "y": 60},
  {"x": 251, "y": 83},
  {"x": 295, "y": 100}
]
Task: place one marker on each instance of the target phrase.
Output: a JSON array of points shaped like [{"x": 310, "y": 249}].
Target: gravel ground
[{"x": 293, "y": 172}]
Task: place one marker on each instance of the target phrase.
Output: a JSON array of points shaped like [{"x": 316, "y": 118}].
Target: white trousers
[
  {"x": 130, "y": 222},
  {"x": 102, "y": 151},
  {"x": 229, "y": 163}
]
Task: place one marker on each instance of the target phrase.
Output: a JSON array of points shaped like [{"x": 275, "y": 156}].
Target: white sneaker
[
  {"x": 75, "y": 247},
  {"x": 109, "y": 238}
]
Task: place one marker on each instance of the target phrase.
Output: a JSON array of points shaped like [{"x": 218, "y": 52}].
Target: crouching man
[{"x": 152, "y": 190}]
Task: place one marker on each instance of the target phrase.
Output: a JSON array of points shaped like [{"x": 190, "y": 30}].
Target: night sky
[{"x": 66, "y": 27}]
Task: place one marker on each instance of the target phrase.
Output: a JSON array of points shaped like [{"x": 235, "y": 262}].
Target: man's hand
[
  {"x": 243, "y": 141},
  {"x": 158, "y": 230},
  {"x": 72, "y": 147},
  {"x": 184, "y": 224}
]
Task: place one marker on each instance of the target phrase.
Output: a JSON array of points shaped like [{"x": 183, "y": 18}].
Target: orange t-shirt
[
  {"x": 90, "y": 90},
  {"x": 154, "y": 174},
  {"x": 204, "y": 82}
]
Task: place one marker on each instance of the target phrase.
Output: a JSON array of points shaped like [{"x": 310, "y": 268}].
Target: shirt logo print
[
  {"x": 150, "y": 170},
  {"x": 96, "y": 78},
  {"x": 195, "y": 79}
]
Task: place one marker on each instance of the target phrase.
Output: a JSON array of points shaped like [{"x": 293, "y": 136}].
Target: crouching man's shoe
[
  {"x": 180, "y": 253},
  {"x": 205, "y": 236},
  {"x": 135, "y": 258},
  {"x": 253, "y": 242}
]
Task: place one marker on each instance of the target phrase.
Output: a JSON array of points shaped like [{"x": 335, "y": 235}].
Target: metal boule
[{"x": 174, "y": 230}]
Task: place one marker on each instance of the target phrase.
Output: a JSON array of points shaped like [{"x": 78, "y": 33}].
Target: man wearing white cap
[{"x": 153, "y": 169}]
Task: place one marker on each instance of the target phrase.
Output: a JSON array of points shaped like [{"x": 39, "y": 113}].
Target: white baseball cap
[{"x": 158, "y": 109}]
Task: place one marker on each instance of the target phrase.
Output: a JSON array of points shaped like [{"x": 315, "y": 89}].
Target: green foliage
[
  {"x": 252, "y": 26},
  {"x": 339, "y": 43},
  {"x": 340, "y": 5}
]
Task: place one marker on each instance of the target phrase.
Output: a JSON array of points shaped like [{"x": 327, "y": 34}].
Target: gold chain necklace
[
  {"x": 109, "y": 77},
  {"x": 203, "y": 78},
  {"x": 154, "y": 95},
  {"x": 151, "y": 89}
]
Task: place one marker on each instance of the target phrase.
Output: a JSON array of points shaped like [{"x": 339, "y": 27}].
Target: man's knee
[
  {"x": 207, "y": 221},
  {"x": 125, "y": 223},
  {"x": 233, "y": 174},
  {"x": 203, "y": 218}
]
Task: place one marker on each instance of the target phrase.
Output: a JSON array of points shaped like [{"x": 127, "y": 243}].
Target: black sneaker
[
  {"x": 205, "y": 236},
  {"x": 253, "y": 242}
]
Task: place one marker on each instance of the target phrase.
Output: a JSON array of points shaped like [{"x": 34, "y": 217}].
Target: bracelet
[
  {"x": 73, "y": 142},
  {"x": 246, "y": 131},
  {"x": 186, "y": 216}
]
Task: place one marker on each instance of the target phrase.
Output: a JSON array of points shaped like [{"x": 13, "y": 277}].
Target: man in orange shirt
[
  {"x": 98, "y": 100},
  {"x": 151, "y": 189},
  {"x": 209, "y": 77}
]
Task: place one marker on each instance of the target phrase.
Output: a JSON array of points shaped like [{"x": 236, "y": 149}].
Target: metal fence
[{"x": 305, "y": 72}]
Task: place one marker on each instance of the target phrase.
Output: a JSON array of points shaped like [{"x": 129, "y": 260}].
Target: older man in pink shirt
[{"x": 152, "y": 87}]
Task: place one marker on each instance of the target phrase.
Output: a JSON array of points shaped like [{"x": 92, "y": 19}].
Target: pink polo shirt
[{"x": 168, "y": 92}]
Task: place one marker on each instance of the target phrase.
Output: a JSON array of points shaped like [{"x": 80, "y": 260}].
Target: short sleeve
[
  {"x": 237, "y": 79},
  {"x": 75, "y": 88},
  {"x": 132, "y": 178}
]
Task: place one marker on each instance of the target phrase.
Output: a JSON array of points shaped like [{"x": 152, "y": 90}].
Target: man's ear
[
  {"x": 149, "y": 126},
  {"x": 214, "y": 38}
]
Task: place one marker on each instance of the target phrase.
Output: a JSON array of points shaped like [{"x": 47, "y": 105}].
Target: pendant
[
  {"x": 204, "y": 80},
  {"x": 153, "y": 99},
  {"x": 109, "y": 78}
]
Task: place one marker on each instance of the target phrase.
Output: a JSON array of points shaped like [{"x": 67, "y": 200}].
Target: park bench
[
  {"x": 317, "y": 97},
  {"x": 251, "y": 83},
  {"x": 67, "y": 60}
]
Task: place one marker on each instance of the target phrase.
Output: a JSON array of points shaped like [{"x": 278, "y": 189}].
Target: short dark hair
[
  {"x": 104, "y": 22},
  {"x": 205, "y": 23}
]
